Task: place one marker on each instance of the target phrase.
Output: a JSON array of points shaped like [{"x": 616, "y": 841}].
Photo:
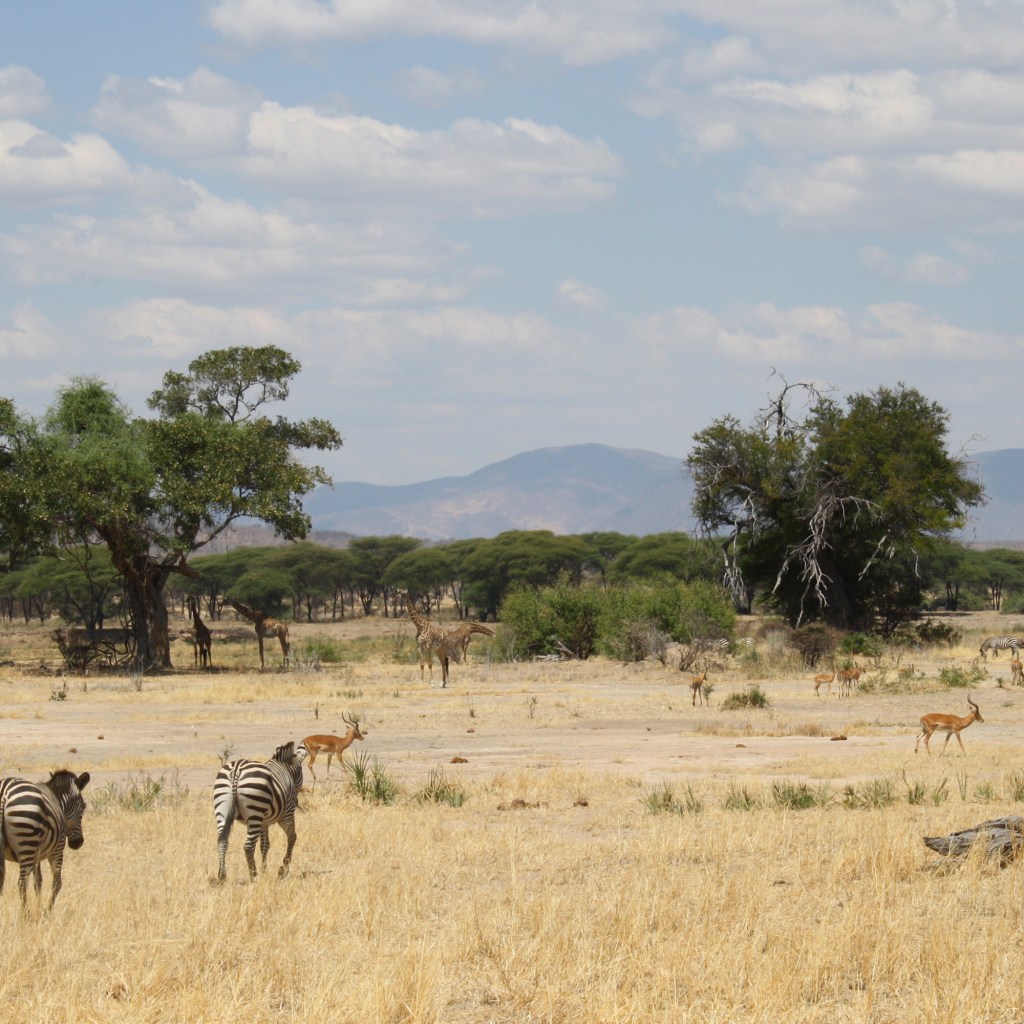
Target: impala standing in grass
[
  {"x": 949, "y": 724},
  {"x": 333, "y": 746}
]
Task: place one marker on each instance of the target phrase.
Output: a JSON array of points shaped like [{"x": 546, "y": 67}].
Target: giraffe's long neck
[
  {"x": 418, "y": 620},
  {"x": 250, "y": 613}
]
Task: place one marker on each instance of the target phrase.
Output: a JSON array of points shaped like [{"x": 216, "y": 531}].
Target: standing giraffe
[
  {"x": 459, "y": 638},
  {"x": 203, "y": 653},
  {"x": 265, "y": 626},
  {"x": 430, "y": 640}
]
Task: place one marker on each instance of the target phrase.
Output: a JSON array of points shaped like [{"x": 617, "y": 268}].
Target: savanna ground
[{"x": 586, "y": 907}]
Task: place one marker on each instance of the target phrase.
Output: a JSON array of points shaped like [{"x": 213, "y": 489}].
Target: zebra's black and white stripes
[
  {"x": 995, "y": 644},
  {"x": 36, "y": 818},
  {"x": 260, "y": 794}
]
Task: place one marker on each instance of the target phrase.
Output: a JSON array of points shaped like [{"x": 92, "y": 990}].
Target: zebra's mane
[
  {"x": 62, "y": 781},
  {"x": 285, "y": 752}
]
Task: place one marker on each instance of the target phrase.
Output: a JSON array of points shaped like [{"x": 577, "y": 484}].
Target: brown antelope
[
  {"x": 1017, "y": 673},
  {"x": 818, "y": 680},
  {"x": 847, "y": 677},
  {"x": 950, "y": 724},
  {"x": 696, "y": 682},
  {"x": 333, "y": 745}
]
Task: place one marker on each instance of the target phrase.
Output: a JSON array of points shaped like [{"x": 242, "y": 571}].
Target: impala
[
  {"x": 333, "y": 746},
  {"x": 847, "y": 677},
  {"x": 950, "y": 724},
  {"x": 818, "y": 680},
  {"x": 696, "y": 682}
]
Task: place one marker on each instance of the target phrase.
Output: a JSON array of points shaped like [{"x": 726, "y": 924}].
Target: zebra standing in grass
[
  {"x": 35, "y": 820},
  {"x": 258, "y": 793},
  {"x": 995, "y": 644}
]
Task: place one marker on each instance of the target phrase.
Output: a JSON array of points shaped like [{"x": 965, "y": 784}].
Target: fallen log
[{"x": 1003, "y": 839}]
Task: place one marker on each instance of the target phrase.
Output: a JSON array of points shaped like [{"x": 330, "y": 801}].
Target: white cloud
[
  {"x": 188, "y": 235},
  {"x": 877, "y": 259},
  {"x": 36, "y": 166},
  {"x": 488, "y": 167},
  {"x": 577, "y": 31},
  {"x": 435, "y": 88},
  {"x": 202, "y": 115},
  {"x": 26, "y": 334},
  {"x": 927, "y": 268},
  {"x": 582, "y": 295},
  {"x": 819, "y": 335},
  {"x": 22, "y": 93}
]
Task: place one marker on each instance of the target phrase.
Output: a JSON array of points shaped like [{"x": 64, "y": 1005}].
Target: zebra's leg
[
  {"x": 25, "y": 869},
  {"x": 3, "y": 871},
  {"x": 251, "y": 839},
  {"x": 265, "y": 844},
  {"x": 222, "y": 843},
  {"x": 288, "y": 824},
  {"x": 56, "y": 869},
  {"x": 37, "y": 878}
]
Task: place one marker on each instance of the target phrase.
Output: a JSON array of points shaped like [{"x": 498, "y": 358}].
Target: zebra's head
[
  {"x": 67, "y": 788},
  {"x": 292, "y": 760}
]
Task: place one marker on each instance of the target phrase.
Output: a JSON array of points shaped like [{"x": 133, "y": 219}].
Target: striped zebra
[
  {"x": 259, "y": 793},
  {"x": 35, "y": 819},
  {"x": 995, "y": 644}
]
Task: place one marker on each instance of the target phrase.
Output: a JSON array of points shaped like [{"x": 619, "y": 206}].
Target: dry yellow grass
[{"x": 563, "y": 913}]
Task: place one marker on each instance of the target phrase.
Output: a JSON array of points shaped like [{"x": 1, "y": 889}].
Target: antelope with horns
[
  {"x": 333, "y": 746},
  {"x": 949, "y": 724}
]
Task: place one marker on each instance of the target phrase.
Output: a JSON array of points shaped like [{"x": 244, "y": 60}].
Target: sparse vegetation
[
  {"x": 370, "y": 780},
  {"x": 751, "y": 697},
  {"x": 440, "y": 789}
]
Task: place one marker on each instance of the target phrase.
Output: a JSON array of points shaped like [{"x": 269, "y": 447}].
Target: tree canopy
[{"x": 831, "y": 513}]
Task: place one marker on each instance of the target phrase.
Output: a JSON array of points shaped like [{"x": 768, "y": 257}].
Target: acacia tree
[
  {"x": 155, "y": 490},
  {"x": 834, "y": 505}
]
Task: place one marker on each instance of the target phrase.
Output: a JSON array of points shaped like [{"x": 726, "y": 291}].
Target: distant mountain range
[
  {"x": 568, "y": 490},
  {"x": 574, "y": 490}
]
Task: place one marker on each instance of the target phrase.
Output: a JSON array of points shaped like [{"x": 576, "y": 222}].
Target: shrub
[
  {"x": 739, "y": 798},
  {"x": 1016, "y": 785},
  {"x": 662, "y": 799},
  {"x": 962, "y": 678},
  {"x": 139, "y": 792},
  {"x": 861, "y": 643},
  {"x": 796, "y": 796},
  {"x": 563, "y": 619},
  {"x": 318, "y": 648},
  {"x": 876, "y": 794},
  {"x": 813, "y": 643},
  {"x": 929, "y": 632},
  {"x": 442, "y": 790},
  {"x": 752, "y": 697},
  {"x": 370, "y": 780}
]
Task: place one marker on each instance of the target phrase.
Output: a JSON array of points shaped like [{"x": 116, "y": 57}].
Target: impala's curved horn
[{"x": 973, "y": 705}]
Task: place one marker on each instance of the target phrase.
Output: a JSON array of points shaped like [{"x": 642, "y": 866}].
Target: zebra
[
  {"x": 259, "y": 793},
  {"x": 35, "y": 820},
  {"x": 995, "y": 644}
]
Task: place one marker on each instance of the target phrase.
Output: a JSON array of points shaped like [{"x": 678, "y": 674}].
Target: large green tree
[
  {"x": 834, "y": 508},
  {"x": 155, "y": 490}
]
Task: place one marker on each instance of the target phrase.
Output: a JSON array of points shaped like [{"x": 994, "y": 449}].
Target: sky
[{"x": 489, "y": 226}]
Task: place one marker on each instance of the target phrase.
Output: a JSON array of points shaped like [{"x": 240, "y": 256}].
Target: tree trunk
[{"x": 838, "y": 609}]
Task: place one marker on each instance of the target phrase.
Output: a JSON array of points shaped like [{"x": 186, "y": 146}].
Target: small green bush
[
  {"x": 813, "y": 643},
  {"x": 739, "y": 798},
  {"x": 929, "y": 632},
  {"x": 442, "y": 790},
  {"x": 139, "y": 792},
  {"x": 370, "y": 780},
  {"x": 319, "y": 648},
  {"x": 861, "y": 643},
  {"x": 961, "y": 678},
  {"x": 662, "y": 800},
  {"x": 877, "y": 793},
  {"x": 797, "y": 796},
  {"x": 752, "y": 697}
]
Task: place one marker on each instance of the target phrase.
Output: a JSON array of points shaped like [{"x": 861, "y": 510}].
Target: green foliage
[
  {"x": 876, "y": 794},
  {"x": 440, "y": 789},
  {"x": 843, "y": 501},
  {"x": 752, "y": 697},
  {"x": 563, "y": 619},
  {"x": 263, "y": 588},
  {"x": 929, "y": 632},
  {"x": 961, "y": 677},
  {"x": 861, "y": 644},
  {"x": 662, "y": 800},
  {"x": 139, "y": 792},
  {"x": 1016, "y": 787},
  {"x": 798, "y": 796},
  {"x": 739, "y": 798},
  {"x": 517, "y": 559},
  {"x": 372, "y": 557},
  {"x": 319, "y": 648},
  {"x": 427, "y": 573},
  {"x": 370, "y": 780},
  {"x": 674, "y": 555}
]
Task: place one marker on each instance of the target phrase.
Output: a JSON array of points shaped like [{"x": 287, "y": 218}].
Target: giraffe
[
  {"x": 459, "y": 638},
  {"x": 203, "y": 637},
  {"x": 429, "y": 640},
  {"x": 265, "y": 626}
]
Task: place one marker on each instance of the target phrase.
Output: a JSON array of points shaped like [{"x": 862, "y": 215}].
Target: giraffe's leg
[
  {"x": 283, "y": 637},
  {"x": 259, "y": 636}
]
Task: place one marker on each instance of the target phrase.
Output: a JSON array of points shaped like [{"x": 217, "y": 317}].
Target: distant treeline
[{"x": 311, "y": 583}]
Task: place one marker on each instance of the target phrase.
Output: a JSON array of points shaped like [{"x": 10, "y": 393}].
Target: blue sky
[{"x": 487, "y": 226}]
